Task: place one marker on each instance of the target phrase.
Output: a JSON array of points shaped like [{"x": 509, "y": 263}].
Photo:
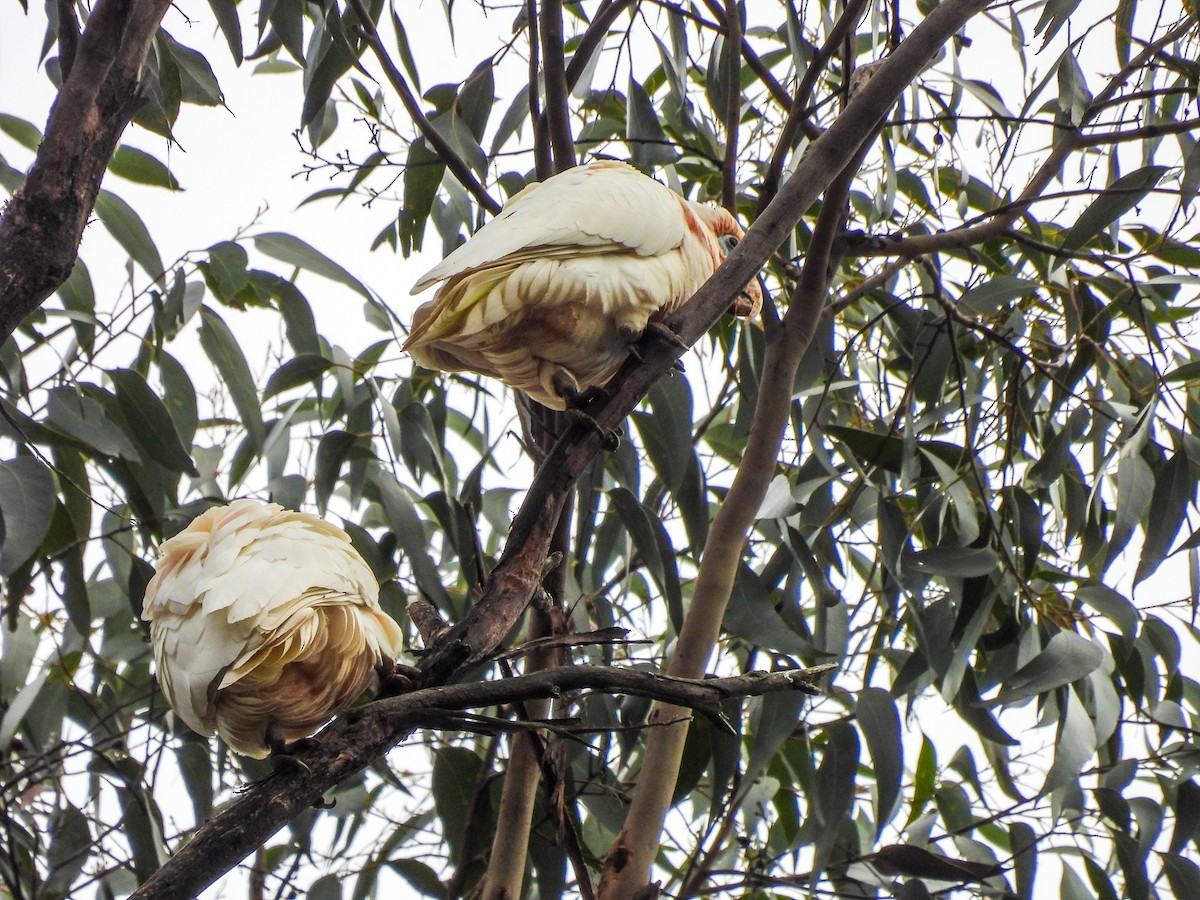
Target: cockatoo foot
[
  {"x": 283, "y": 755},
  {"x": 654, "y": 331},
  {"x": 396, "y": 678},
  {"x": 611, "y": 439},
  {"x": 285, "y": 764}
]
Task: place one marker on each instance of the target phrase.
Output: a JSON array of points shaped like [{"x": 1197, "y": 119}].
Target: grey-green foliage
[{"x": 984, "y": 511}]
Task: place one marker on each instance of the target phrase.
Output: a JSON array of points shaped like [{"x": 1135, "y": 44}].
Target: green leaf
[
  {"x": 958, "y": 562},
  {"x": 1066, "y": 659},
  {"x": 78, "y": 296},
  {"x": 423, "y": 171},
  {"x": 225, "y": 12},
  {"x": 130, "y": 232},
  {"x": 411, "y": 535},
  {"x": 24, "y": 133},
  {"x": 222, "y": 348},
  {"x": 300, "y": 370},
  {"x": 70, "y": 846},
  {"x": 226, "y": 270},
  {"x": 327, "y": 887},
  {"x": 1074, "y": 98},
  {"x": 1187, "y": 816},
  {"x": 985, "y": 299},
  {"x": 26, "y": 508},
  {"x": 1112, "y": 606},
  {"x": 652, "y": 542},
  {"x": 751, "y": 615},
  {"x": 1023, "y": 841},
  {"x": 419, "y": 875},
  {"x": 1174, "y": 485},
  {"x": 834, "y": 796},
  {"x": 83, "y": 418},
  {"x": 331, "y": 453},
  {"x": 880, "y": 723},
  {"x": 406, "y": 57},
  {"x": 198, "y": 84},
  {"x": 1183, "y": 875},
  {"x": 1116, "y": 200},
  {"x": 455, "y": 779},
  {"x": 293, "y": 251},
  {"x": 152, "y": 428},
  {"x": 1073, "y": 746},
  {"x": 1135, "y": 485},
  {"x": 648, "y": 144},
  {"x": 139, "y": 166}
]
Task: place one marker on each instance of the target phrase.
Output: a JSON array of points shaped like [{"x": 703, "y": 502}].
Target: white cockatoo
[
  {"x": 265, "y": 624},
  {"x": 549, "y": 295}
]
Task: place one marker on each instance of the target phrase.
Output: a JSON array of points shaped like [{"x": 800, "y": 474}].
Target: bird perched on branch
[
  {"x": 265, "y": 624},
  {"x": 550, "y": 294}
]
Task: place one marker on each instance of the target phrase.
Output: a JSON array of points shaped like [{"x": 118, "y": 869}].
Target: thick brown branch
[
  {"x": 362, "y": 734},
  {"x": 43, "y": 223},
  {"x": 733, "y": 109},
  {"x": 558, "y": 117}
]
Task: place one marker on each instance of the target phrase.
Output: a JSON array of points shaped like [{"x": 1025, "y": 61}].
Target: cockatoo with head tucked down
[
  {"x": 550, "y": 294},
  {"x": 265, "y": 624}
]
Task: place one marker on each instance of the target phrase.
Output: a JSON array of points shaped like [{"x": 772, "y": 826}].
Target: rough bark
[
  {"x": 360, "y": 735},
  {"x": 42, "y": 225}
]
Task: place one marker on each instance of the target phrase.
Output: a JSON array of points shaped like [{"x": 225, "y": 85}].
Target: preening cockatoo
[
  {"x": 549, "y": 295},
  {"x": 265, "y": 624}
]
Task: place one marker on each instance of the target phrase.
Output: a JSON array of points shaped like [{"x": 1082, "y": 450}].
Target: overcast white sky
[{"x": 233, "y": 163}]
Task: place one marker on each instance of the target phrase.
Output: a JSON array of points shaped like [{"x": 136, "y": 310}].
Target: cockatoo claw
[
  {"x": 286, "y": 764},
  {"x": 611, "y": 439},
  {"x": 396, "y": 678},
  {"x": 660, "y": 331},
  {"x": 283, "y": 755}
]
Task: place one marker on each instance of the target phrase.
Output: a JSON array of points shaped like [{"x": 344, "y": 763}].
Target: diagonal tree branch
[
  {"x": 42, "y": 225},
  {"x": 440, "y": 144}
]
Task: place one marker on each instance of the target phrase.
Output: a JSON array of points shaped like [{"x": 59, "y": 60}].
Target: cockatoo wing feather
[
  {"x": 246, "y": 590},
  {"x": 608, "y": 205}
]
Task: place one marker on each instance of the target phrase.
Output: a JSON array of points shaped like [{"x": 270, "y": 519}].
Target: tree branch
[
  {"x": 971, "y": 235},
  {"x": 42, "y": 225},
  {"x": 629, "y": 860},
  {"x": 797, "y": 120},
  {"x": 733, "y": 109},
  {"x": 441, "y": 146},
  {"x": 557, "y": 112},
  {"x": 361, "y": 734}
]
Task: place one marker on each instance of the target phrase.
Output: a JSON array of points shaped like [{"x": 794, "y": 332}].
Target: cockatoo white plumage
[
  {"x": 549, "y": 295},
  {"x": 265, "y": 624}
]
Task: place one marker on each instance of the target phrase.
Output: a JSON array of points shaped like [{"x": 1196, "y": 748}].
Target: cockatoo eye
[{"x": 727, "y": 242}]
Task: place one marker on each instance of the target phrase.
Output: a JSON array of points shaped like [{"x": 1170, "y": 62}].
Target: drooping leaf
[
  {"x": 152, "y": 428},
  {"x": 26, "y": 508},
  {"x": 293, "y": 251},
  {"x": 1117, "y": 199},
  {"x": 880, "y": 723},
  {"x": 140, "y": 167},
  {"x": 1066, "y": 659},
  {"x": 130, "y": 232},
  {"x": 222, "y": 348}
]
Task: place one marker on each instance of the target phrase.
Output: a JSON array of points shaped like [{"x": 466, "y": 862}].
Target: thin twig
[{"x": 440, "y": 145}]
